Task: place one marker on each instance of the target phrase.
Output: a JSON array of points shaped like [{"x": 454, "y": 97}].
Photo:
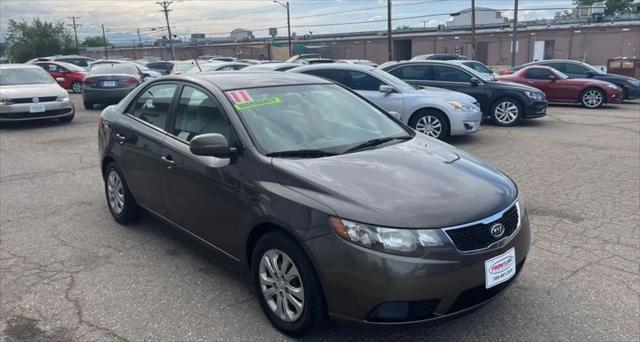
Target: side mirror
[
  {"x": 60, "y": 80},
  {"x": 387, "y": 89},
  {"x": 474, "y": 82},
  {"x": 553, "y": 78},
  {"x": 213, "y": 145},
  {"x": 590, "y": 74},
  {"x": 396, "y": 115}
]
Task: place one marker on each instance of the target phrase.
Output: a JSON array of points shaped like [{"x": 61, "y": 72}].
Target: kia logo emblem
[
  {"x": 35, "y": 100},
  {"x": 497, "y": 230}
]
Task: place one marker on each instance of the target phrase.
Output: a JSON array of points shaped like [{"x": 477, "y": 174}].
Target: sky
[{"x": 216, "y": 18}]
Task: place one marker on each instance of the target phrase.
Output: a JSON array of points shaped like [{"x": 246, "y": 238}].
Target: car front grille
[
  {"x": 30, "y": 99},
  {"x": 27, "y": 115},
  {"x": 478, "y": 236}
]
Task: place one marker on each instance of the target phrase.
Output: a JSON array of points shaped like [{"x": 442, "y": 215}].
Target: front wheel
[
  {"x": 286, "y": 284},
  {"x": 431, "y": 123},
  {"x": 121, "y": 204},
  {"x": 506, "y": 112},
  {"x": 592, "y": 98}
]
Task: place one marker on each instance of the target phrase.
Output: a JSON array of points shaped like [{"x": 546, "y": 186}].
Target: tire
[
  {"x": 592, "y": 98},
  {"x": 88, "y": 105},
  {"x": 76, "y": 87},
  {"x": 431, "y": 122},
  {"x": 296, "y": 322},
  {"x": 67, "y": 118},
  {"x": 506, "y": 112},
  {"x": 625, "y": 94},
  {"x": 121, "y": 204}
]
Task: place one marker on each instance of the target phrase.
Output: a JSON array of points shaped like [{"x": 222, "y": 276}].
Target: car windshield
[
  {"x": 479, "y": 67},
  {"x": 103, "y": 69},
  {"x": 71, "y": 67},
  {"x": 24, "y": 76},
  {"x": 320, "y": 118},
  {"x": 392, "y": 80},
  {"x": 479, "y": 75}
]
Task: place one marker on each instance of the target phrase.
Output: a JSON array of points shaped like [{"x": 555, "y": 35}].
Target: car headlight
[
  {"x": 534, "y": 95},
  {"x": 461, "y": 107},
  {"x": 407, "y": 242},
  {"x": 5, "y": 100},
  {"x": 62, "y": 97}
]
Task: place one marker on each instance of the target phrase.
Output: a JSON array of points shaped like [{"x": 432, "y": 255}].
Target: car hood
[
  {"x": 444, "y": 94},
  {"x": 421, "y": 183},
  {"x": 504, "y": 83},
  {"x": 586, "y": 81},
  {"x": 31, "y": 90},
  {"x": 613, "y": 78}
]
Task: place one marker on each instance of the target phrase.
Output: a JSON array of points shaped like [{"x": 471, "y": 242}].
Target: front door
[
  {"x": 140, "y": 134},
  {"x": 369, "y": 87},
  {"x": 203, "y": 194},
  {"x": 541, "y": 78}
]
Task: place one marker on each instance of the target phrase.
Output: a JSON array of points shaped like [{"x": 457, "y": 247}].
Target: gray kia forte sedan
[{"x": 337, "y": 209}]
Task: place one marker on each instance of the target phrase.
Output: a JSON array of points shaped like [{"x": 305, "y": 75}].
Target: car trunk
[{"x": 112, "y": 81}]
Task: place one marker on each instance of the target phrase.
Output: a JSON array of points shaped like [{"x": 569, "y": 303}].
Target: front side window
[
  {"x": 445, "y": 73},
  {"x": 323, "y": 117},
  {"x": 153, "y": 104},
  {"x": 412, "y": 72},
  {"x": 538, "y": 74},
  {"x": 198, "y": 113},
  {"x": 357, "y": 80}
]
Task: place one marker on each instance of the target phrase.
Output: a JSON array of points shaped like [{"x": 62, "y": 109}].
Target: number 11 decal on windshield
[{"x": 240, "y": 96}]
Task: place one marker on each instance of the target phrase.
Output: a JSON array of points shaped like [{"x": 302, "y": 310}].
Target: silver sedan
[
  {"x": 436, "y": 112},
  {"x": 27, "y": 92}
]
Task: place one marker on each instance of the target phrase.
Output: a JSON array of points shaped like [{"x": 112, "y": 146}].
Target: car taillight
[
  {"x": 87, "y": 81},
  {"x": 132, "y": 80}
]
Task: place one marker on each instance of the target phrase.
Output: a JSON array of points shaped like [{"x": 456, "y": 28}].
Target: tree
[
  {"x": 94, "y": 41},
  {"x": 612, "y": 6},
  {"x": 37, "y": 39}
]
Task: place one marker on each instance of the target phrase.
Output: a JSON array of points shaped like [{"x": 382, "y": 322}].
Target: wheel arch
[
  {"x": 417, "y": 112},
  {"x": 605, "y": 97}
]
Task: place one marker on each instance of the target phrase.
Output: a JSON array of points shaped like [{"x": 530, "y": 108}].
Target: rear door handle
[{"x": 168, "y": 160}]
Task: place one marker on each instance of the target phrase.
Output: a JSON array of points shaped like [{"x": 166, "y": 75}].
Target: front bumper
[
  {"x": 356, "y": 281},
  {"x": 614, "y": 96},
  {"x": 22, "y": 111},
  {"x": 463, "y": 123},
  {"x": 535, "y": 109},
  {"x": 632, "y": 92}
]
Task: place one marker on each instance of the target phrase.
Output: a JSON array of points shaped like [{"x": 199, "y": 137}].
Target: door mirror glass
[
  {"x": 211, "y": 144},
  {"x": 553, "y": 78},
  {"x": 396, "y": 115},
  {"x": 385, "y": 89},
  {"x": 474, "y": 81}
]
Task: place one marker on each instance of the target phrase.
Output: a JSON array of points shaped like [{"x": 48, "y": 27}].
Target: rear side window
[
  {"x": 152, "y": 106},
  {"x": 412, "y": 72},
  {"x": 449, "y": 74},
  {"x": 538, "y": 74},
  {"x": 198, "y": 113}
]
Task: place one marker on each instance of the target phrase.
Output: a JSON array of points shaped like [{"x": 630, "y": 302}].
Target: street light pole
[{"x": 286, "y": 5}]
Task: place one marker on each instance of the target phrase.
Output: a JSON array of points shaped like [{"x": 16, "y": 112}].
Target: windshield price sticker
[{"x": 242, "y": 100}]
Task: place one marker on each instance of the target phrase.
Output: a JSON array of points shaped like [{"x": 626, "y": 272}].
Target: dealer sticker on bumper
[{"x": 500, "y": 268}]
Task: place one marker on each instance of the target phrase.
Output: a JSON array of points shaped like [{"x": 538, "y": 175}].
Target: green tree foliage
[
  {"x": 94, "y": 41},
  {"x": 37, "y": 39},
  {"x": 612, "y": 6}
]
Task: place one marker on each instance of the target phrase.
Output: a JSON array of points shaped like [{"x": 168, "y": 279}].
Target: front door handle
[
  {"x": 120, "y": 138},
  {"x": 169, "y": 161}
]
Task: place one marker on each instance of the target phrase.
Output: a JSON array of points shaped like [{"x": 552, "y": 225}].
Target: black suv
[
  {"x": 576, "y": 69},
  {"x": 504, "y": 102}
]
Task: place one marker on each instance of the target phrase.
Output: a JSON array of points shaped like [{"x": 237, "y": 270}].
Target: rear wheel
[
  {"x": 592, "y": 98},
  {"x": 121, "y": 204},
  {"x": 88, "y": 104},
  {"x": 432, "y": 123},
  {"x": 506, "y": 112},
  {"x": 286, "y": 284},
  {"x": 76, "y": 87}
]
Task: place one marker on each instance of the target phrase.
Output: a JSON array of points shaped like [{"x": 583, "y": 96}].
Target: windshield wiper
[
  {"x": 301, "y": 154},
  {"x": 376, "y": 142}
]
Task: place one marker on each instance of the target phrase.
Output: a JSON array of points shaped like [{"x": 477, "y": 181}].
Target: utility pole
[
  {"x": 165, "y": 8},
  {"x": 514, "y": 40},
  {"x": 75, "y": 28},
  {"x": 473, "y": 29},
  {"x": 139, "y": 39},
  {"x": 389, "y": 38},
  {"x": 104, "y": 37},
  {"x": 286, "y": 5}
]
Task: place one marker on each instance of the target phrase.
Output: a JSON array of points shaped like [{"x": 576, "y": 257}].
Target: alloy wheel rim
[
  {"x": 429, "y": 125},
  {"x": 281, "y": 285},
  {"x": 115, "y": 192},
  {"x": 506, "y": 112},
  {"x": 76, "y": 87},
  {"x": 592, "y": 98}
]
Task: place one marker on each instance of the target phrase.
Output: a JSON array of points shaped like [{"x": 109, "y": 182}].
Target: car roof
[
  {"x": 429, "y": 61},
  {"x": 264, "y": 66},
  {"x": 19, "y": 66},
  {"x": 229, "y": 80},
  {"x": 341, "y": 66}
]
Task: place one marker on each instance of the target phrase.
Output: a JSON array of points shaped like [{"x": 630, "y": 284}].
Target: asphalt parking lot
[{"x": 69, "y": 272}]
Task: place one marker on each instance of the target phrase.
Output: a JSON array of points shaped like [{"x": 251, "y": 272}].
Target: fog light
[
  {"x": 469, "y": 126},
  {"x": 403, "y": 311}
]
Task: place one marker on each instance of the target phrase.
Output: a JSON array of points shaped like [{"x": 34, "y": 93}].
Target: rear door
[
  {"x": 417, "y": 74},
  {"x": 140, "y": 133}
]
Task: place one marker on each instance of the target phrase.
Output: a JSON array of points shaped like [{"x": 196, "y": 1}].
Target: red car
[
  {"x": 71, "y": 73},
  {"x": 558, "y": 87}
]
